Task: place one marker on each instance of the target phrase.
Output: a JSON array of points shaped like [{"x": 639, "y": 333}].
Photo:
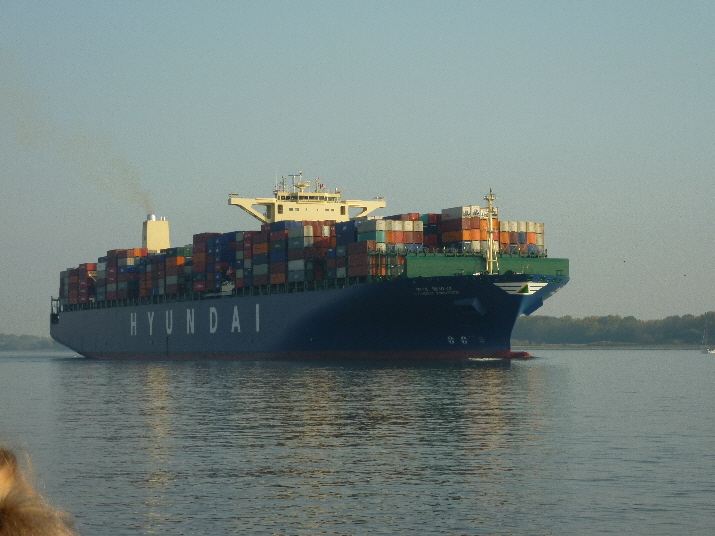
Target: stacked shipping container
[
  {"x": 521, "y": 238},
  {"x": 293, "y": 252}
]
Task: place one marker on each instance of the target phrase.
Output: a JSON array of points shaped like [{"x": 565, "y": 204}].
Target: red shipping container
[
  {"x": 174, "y": 270},
  {"x": 362, "y": 247},
  {"x": 358, "y": 259},
  {"x": 199, "y": 286},
  {"x": 278, "y": 235},
  {"x": 357, "y": 270},
  {"x": 202, "y": 238},
  {"x": 278, "y": 268}
]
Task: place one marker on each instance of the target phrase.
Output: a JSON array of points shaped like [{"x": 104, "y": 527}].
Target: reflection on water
[
  {"x": 579, "y": 442},
  {"x": 290, "y": 448}
]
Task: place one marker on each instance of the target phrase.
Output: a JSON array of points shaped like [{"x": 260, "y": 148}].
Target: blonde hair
[{"x": 23, "y": 511}]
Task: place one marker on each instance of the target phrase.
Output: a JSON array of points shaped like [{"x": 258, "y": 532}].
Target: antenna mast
[{"x": 492, "y": 261}]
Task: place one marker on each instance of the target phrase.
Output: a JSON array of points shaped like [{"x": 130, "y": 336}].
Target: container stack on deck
[
  {"x": 521, "y": 238},
  {"x": 289, "y": 252}
]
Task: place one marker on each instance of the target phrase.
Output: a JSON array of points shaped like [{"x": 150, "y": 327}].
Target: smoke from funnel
[{"x": 80, "y": 154}]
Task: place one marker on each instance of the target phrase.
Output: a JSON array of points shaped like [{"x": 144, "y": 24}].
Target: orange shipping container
[
  {"x": 175, "y": 261},
  {"x": 484, "y": 224},
  {"x": 531, "y": 238},
  {"x": 260, "y": 248},
  {"x": 278, "y": 279},
  {"x": 457, "y": 236}
]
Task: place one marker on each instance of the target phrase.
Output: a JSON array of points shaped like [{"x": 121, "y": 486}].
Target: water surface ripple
[{"x": 574, "y": 442}]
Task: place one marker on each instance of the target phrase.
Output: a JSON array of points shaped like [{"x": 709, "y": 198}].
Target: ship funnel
[{"x": 155, "y": 234}]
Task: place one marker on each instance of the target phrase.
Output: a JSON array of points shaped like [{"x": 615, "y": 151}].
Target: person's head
[{"x": 23, "y": 512}]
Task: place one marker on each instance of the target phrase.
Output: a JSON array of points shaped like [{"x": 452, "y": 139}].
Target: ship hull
[{"x": 438, "y": 318}]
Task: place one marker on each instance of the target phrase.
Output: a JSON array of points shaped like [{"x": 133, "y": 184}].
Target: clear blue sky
[{"x": 596, "y": 118}]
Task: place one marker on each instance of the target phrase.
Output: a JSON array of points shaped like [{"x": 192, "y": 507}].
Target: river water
[{"x": 572, "y": 442}]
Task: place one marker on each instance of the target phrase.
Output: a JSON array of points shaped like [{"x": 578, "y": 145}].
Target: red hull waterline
[{"x": 344, "y": 356}]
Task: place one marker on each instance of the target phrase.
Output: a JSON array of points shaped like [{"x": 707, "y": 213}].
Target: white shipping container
[
  {"x": 341, "y": 272},
  {"x": 521, "y": 227},
  {"x": 539, "y": 239},
  {"x": 513, "y": 226},
  {"x": 483, "y": 213},
  {"x": 296, "y": 265},
  {"x": 530, "y": 227},
  {"x": 504, "y": 226},
  {"x": 408, "y": 226},
  {"x": 418, "y": 226},
  {"x": 260, "y": 269},
  {"x": 539, "y": 228}
]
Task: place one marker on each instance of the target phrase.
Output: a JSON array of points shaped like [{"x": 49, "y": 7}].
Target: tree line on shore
[
  {"x": 686, "y": 330},
  {"x": 27, "y": 342}
]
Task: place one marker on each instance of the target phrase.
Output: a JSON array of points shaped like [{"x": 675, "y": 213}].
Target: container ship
[{"x": 323, "y": 279}]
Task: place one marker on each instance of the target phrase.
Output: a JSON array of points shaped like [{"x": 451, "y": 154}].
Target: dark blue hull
[{"x": 451, "y": 317}]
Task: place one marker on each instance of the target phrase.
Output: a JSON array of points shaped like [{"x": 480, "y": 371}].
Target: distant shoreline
[{"x": 614, "y": 346}]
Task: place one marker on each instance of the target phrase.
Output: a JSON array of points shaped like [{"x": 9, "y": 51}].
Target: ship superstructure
[{"x": 298, "y": 204}]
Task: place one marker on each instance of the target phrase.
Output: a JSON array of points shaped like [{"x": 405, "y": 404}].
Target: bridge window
[{"x": 280, "y": 209}]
